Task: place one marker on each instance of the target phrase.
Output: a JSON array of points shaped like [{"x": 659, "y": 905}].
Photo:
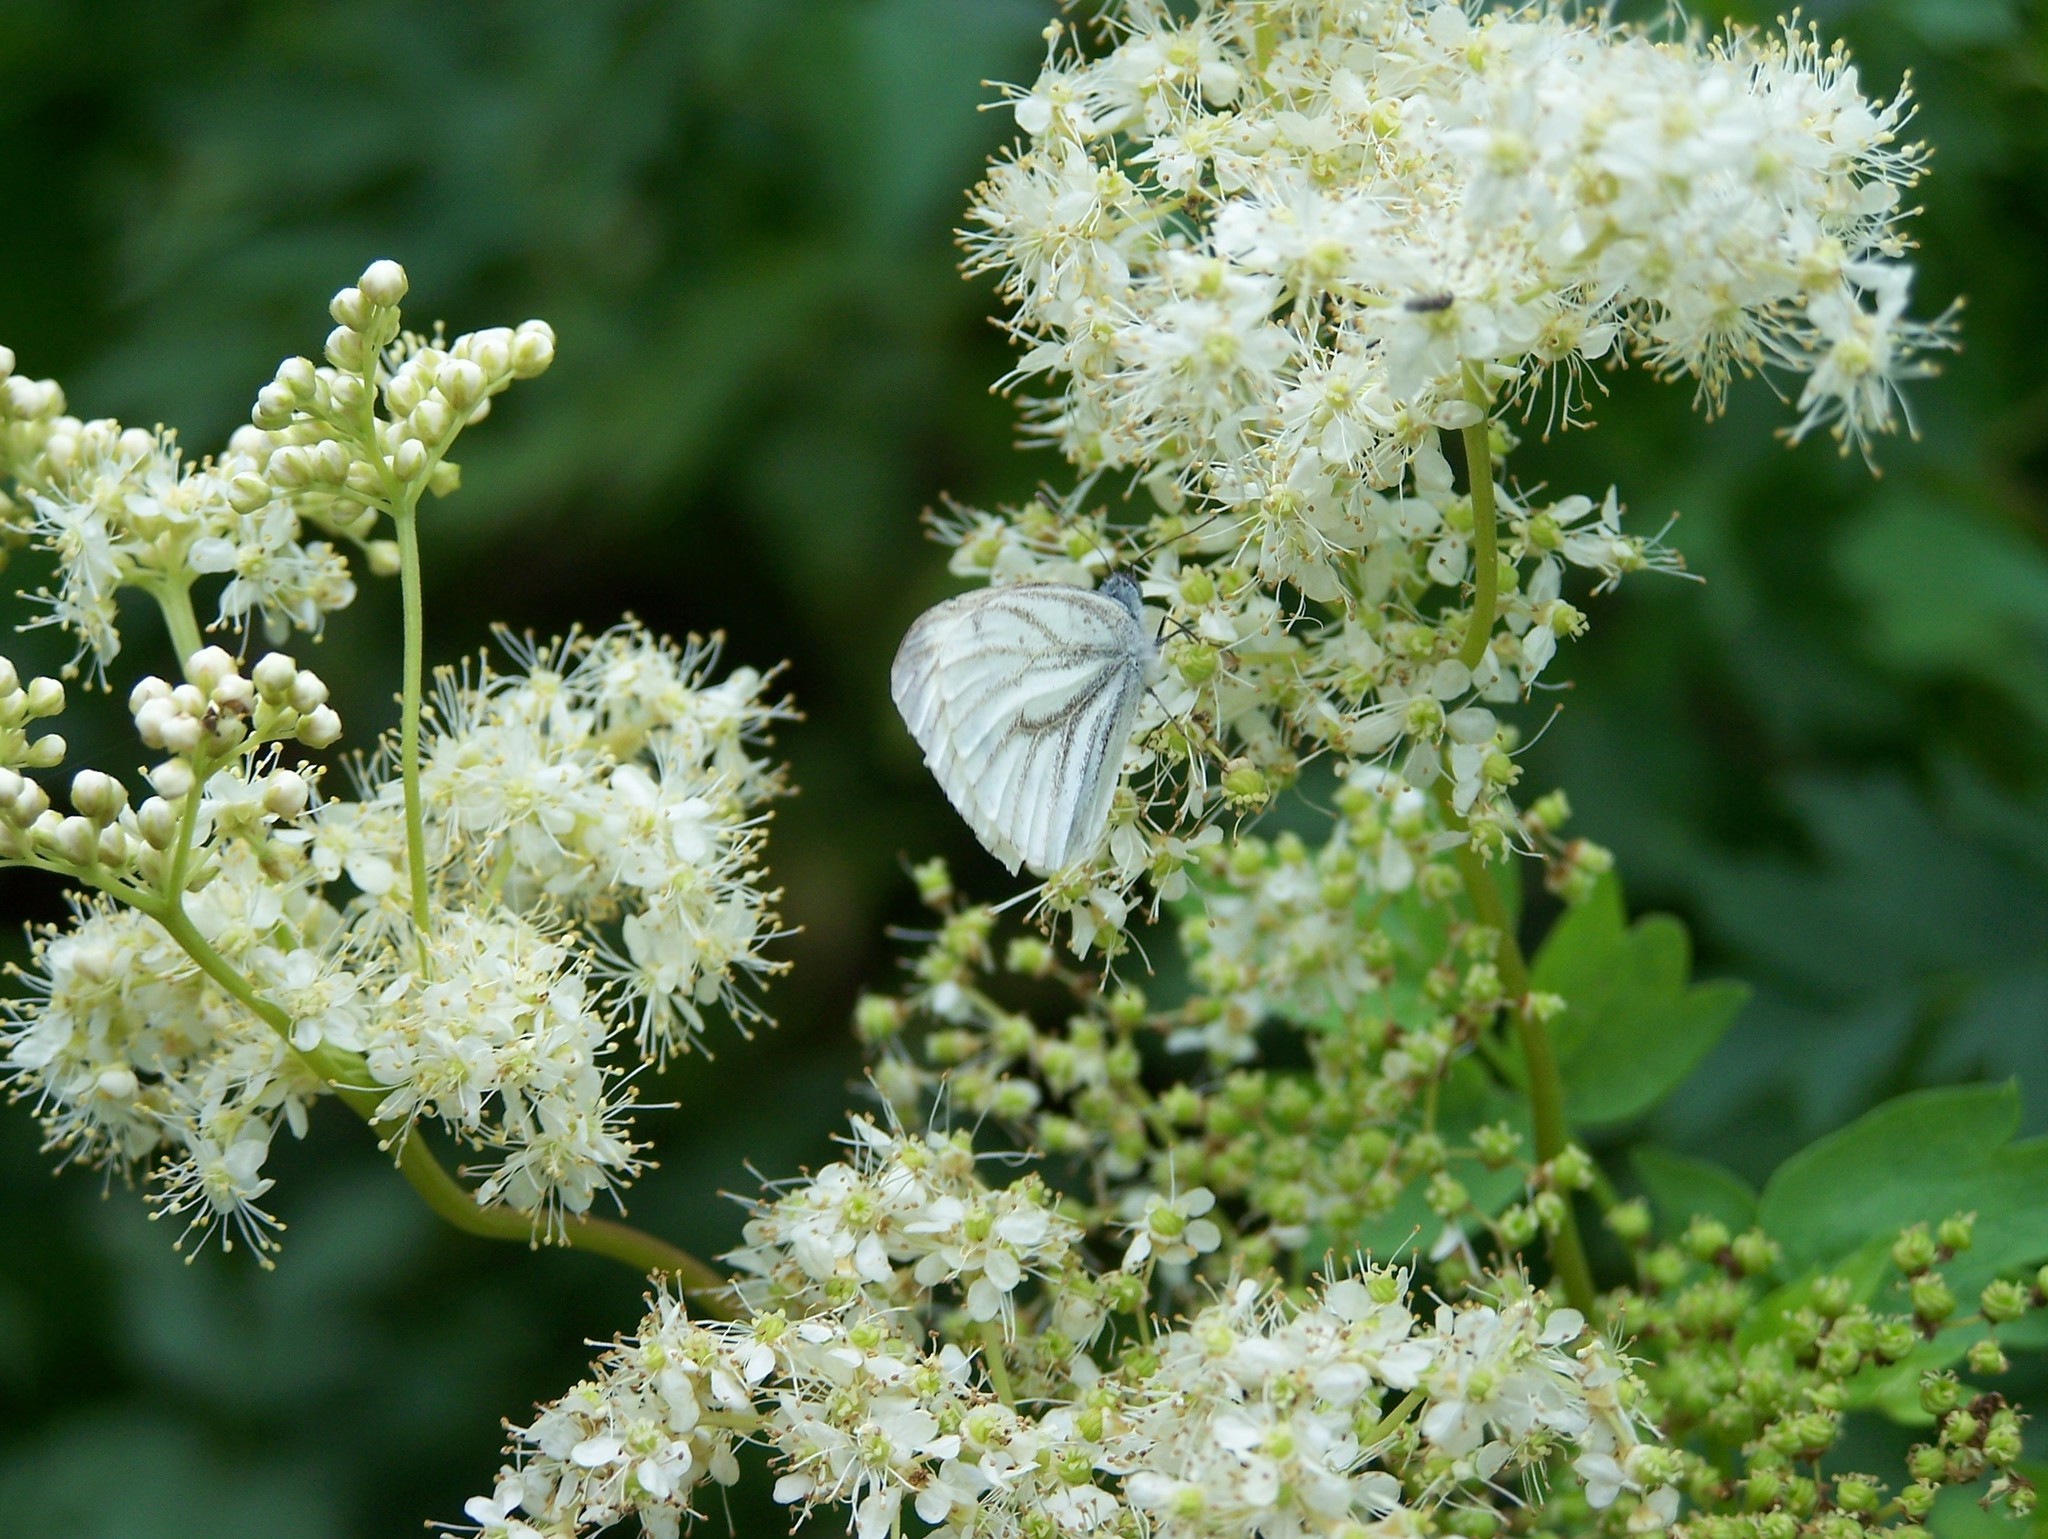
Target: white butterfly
[{"x": 1023, "y": 699}]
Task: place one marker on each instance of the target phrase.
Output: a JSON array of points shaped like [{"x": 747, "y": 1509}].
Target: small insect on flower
[{"x": 1023, "y": 699}]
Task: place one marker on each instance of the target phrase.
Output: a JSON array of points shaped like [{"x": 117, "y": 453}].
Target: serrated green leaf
[
  {"x": 1682, "y": 1188},
  {"x": 1918, "y": 1159},
  {"x": 1634, "y": 1026}
]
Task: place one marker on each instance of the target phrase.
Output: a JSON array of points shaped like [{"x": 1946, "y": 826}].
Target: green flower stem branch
[
  {"x": 1485, "y": 538},
  {"x": 405, "y": 515},
  {"x": 1539, "y": 1061},
  {"x": 446, "y": 1196},
  {"x": 174, "y": 598}
]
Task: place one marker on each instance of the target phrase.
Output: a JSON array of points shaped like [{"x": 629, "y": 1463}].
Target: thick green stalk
[
  {"x": 174, "y": 598},
  {"x": 447, "y": 1197},
  {"x": 1539, "y": 1062},
  {"x": 406, "y": 517},
  {"x": 1485, "y": 545}
]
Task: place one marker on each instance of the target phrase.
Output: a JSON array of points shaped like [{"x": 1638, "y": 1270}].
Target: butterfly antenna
[{"x": 1159, "y": 545}]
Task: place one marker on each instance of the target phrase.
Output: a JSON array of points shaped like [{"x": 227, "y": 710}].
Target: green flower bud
[
  {"x": 1551, "y": 1211},
  {"x": 1955, "y": 1232},
  {"x": 1572, "y": 1169},
  {"x": 1914, "y": 1251},
  {"x": 1706, "y": 1238},
  {"x": 934, "y": 882},
  {"x": 2003, "y": 1301},
  {"x": 1754, "y": 1252},
  {"x": 1986, "y": 1359},
  {"x": 1857, "y": 1493},
  {"x": 1630, "y": 1222},
  {"x": 1917, "y": 1500},
  {"x": 877, "y": 1018},
  {"x": 1933, "y": 1300},
  {"x": 1939, "y": 1392}
]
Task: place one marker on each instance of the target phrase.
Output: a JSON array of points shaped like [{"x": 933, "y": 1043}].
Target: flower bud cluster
[
  {"x": 372, "y": 424},
  {"x": 1723, "y": 1367}
]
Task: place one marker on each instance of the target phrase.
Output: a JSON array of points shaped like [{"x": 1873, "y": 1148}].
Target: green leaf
[
  {"x": 1633, "y": 1025},
  {"x": 1912, "y": 1160},
  {"x": 1683, "y": 1188}
]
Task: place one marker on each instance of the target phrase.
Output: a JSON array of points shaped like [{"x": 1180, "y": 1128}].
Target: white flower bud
[
  {"x": 228, "y": 730},
  {"x": 6, "y": 361},
  {"x": 382, "y": 283},
  {"x": 146, "y": 689},
  {"x": 180, "y": 735},
  {"x": 117, "y": 1083},
  {"x": 189, "y": 699},
  {"x": 274, "y": 675},
  {"x": 330, "y": 462},
  {"x": 207, "y": 667},
  {"x": 345, "y": 346},
  {"x": 285, "y": 794},
  {"x": 158, "y": 820},
  {"x": 363, "y": 479},
  {"x": 491, "y": 351},
  {"x": 248, "y": 492},
  {"x": 404, "y": 391},
  {"x": 234, "y": 693},
  {"x": 446, "y": 479},
  {"x": 381, "y": 556},
  {"x": 11, "y": 783},
  {"x": 29, "y": 803},
  {"x": 98, "y": 796},
  {"x": 347, "y": 395},
  {"x": 308, "y": 691},
  {"x": 173, "y": 779},
  {"x": 290, "y": 467},
  {"x": 46, "y": 752},
  {"x": 533, "y": 349},
  {"x": 348, "y": 309},
  {"x": 461, "y": 385},
  {"x": 10, "y": 681},
  {"x": 13, "y": 707},
  {"x": 151, "y": 719},
  {"x": 410, "y": 460},
  {"x": 319, "y": 727},
  {"x": 273, "y": 408},
  {"x": 115, "y": 847},
  {"x": 299, "y": 377},
  {"x": 135, "y": 443},
  {"x": 76, "y": 839},
  {"x": 431, "y": 419},
  {"x": 45, "y": 697}
]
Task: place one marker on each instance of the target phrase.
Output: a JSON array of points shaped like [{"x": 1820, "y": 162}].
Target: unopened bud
[
  {"x": 274, "y": 675},
  {"x": 45, "y": 697},
  {"x": 207, "y": 667},
  {"x": 173, "y": 779},
  {"x": 383, "y": 283},
  {"x": 308, "y": 691},
  {"x": 533, "y": 349},
  {"x": 114, "y": 847},
  {"x": 46, "y": 752},
  {"x": 98, "y": 796},
  {"x": 319, "y": 727},
  {"x": 285, "y": 794},
  {"x": 347, "y": 308},
  {"x": 158, "y": 820},
  {"x": 409, "y": 460}
]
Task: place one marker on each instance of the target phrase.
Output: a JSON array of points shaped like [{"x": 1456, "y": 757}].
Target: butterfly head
[{"x": 1123, "y": 587}]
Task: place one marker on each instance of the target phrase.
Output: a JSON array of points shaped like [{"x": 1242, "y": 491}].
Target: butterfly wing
[{"x": 1023, "y": 699}]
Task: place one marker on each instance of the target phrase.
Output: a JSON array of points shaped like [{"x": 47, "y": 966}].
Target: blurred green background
[{"x": 737, "y": 214}]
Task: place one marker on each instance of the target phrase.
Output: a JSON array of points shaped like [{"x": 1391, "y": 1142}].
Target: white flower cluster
[
  {"x": 1338, "y": 1411},
  {"x": 122, "y": 508},
  {"x": 610, "y": 782},
  {"x": 609, "y": 791},
  {"x": 1270, "y": 249},
  {"x": 1263, "y": 259}
]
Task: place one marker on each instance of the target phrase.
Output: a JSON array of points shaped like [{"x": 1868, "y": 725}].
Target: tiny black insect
[{"x": 1423, "y": 304}]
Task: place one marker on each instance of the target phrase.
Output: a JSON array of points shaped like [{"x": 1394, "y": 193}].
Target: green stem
[
  {"x": 1539, "y": 1060},
  {"x": 441, "y": 1192},
  {"x": 992, "y": 1361},
  {"x": 1393, "y": 1420},
  {"x": 174, "y": 598},
  {"x": 405, "y": 516},
  {"x": 1485, "y": 542}
]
